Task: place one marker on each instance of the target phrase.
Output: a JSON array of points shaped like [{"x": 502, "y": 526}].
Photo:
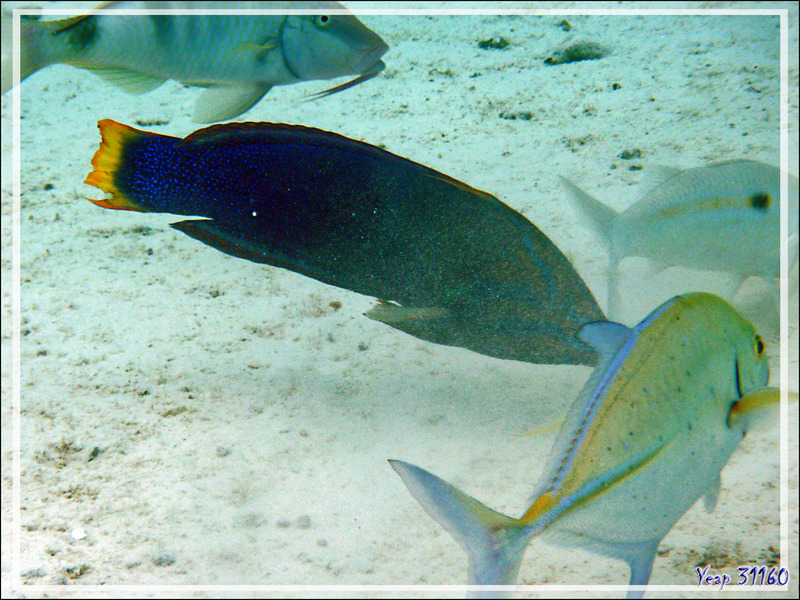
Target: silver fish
[
  {"x": 722, "y": 217},
  {"x": 238, "y": 58},
  {"x": 658, "y": 419}
]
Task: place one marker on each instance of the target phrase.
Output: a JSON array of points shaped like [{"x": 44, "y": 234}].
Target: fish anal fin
[
  {"x": 69, "y": 22},
  {"x": 223, "y": 102},
  {"x": 640, "y": 559}
]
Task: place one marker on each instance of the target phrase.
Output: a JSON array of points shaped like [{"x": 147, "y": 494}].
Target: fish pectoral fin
[
  {"x": 754, "y": 409},
  {"x": 258, "y": 51},
  {"x": 130, "y": 81},
  {"x": 394, "y": 314},
  {"x": 207, "y": 231},
  {"x": 223, "y": 102}
]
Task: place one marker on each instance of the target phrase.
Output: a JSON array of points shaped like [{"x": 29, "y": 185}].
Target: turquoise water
[{"x": 243, "y": 414}]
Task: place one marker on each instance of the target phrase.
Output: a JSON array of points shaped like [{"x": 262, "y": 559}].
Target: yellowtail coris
[
  {"x": 648, "y": 435},
  {"x": 237, "y": 58},
  {"x": 722, "y": 217}
]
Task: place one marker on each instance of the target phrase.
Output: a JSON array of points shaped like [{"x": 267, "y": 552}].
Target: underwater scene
[{"x": 428, "y": 296}]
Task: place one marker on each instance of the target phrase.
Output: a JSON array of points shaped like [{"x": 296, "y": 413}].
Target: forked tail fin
[
  {"x": 494, "y": 542},
  {"x": 32, "y": 56},
  {"x": 601, "y": 219}
]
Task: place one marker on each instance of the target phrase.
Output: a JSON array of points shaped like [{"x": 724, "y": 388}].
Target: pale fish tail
[
  {"x": 33, "y": 51},
  {"x": 494, "y": 542},
  {"x": 601, "y": 219}
]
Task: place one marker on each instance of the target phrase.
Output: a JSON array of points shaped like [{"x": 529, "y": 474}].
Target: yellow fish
[{"x": 648, "y": 435}]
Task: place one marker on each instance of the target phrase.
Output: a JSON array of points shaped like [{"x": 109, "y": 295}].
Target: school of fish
[{"x": 668, "y": 401}]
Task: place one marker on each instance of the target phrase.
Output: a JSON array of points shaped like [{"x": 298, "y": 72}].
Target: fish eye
[
  {"x": 759, "y": 346},
  {"x": 323, "y": 20},
  {"x": 760, "y": 201}
]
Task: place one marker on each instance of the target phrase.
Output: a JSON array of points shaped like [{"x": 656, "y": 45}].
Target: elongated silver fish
[
  {"x": 238, "y": 58},
  {"x": 648, "y": 435},
  {"x": 722, "y": 217}
]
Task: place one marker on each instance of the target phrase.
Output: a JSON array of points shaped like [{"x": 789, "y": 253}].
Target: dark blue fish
[{"x": 449, "y": 263}]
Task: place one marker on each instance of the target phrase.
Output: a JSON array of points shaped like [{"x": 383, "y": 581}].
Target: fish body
[
  {"x": 450, "y": 264},
  {"x": 648, "y": 435},
  {"x": 722, "y": 217},
  {"x": 238, "y": 58}
]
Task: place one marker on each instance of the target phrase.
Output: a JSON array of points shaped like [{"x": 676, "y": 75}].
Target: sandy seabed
[{"x": 191, "y": 418}]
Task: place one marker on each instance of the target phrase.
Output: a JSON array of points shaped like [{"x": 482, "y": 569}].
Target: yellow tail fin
[{"x": 107, "y": 161}]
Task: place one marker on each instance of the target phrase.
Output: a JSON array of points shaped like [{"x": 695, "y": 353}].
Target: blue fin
[
  {"x": 641, "y": 563},
  {"x": 606, "y": 337},
  {"x": 494, "y": 542}
]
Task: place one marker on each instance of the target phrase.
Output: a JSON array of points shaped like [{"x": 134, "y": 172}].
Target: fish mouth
[
  {"x": 373, "y": 71},
  {"x": 371, "y": 59}
]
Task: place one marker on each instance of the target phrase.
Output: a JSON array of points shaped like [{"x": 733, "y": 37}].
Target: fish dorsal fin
[
  {"x": 69, "y": 22},
  {"x": 223, "y": 102},
  {"x": 655, "y": 175},
  {"x": 458, "y": 184},
  {"x": 606, "y": 337},
  {"x": 130, "y": 81}
]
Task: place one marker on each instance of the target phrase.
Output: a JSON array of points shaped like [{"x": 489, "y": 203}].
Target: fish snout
[
  {"x": 337, "y": 47},
  {"x": 370, "y": 60}
]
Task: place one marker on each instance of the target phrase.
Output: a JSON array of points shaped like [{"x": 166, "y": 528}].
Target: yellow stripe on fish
[
  {"x": 648, "y": 435},
  {"x": 759, "y": 201},
  {"x": 722, "y": 217}
]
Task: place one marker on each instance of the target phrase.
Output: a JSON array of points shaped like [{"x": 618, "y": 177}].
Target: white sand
[{"x": 243, "y": 425}]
